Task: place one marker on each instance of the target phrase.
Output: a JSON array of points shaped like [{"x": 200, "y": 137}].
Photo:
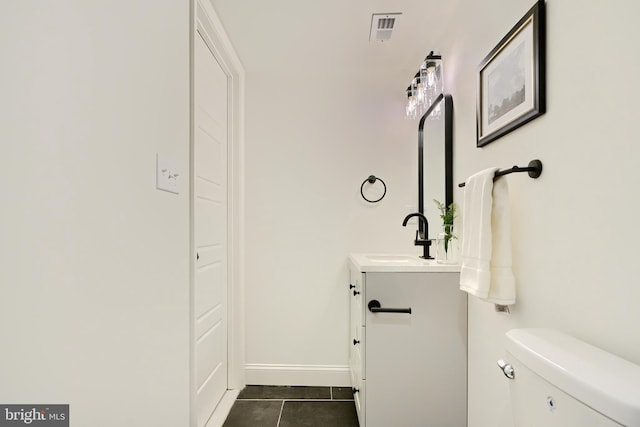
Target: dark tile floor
[{"x": 284, "y": 406}]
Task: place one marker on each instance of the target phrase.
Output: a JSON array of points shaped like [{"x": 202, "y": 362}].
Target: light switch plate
[{"x": 167, "y": 176}]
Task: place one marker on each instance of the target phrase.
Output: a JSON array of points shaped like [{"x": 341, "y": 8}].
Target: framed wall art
[{"x": 511, "y": 79}]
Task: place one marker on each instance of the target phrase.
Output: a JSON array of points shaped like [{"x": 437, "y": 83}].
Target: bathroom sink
[
  {"x": 390, "y": 258},
  {"x": 397, "y": 263}
]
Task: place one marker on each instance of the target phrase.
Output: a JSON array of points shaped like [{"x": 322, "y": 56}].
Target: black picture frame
[{"x": 511, "y": 79}]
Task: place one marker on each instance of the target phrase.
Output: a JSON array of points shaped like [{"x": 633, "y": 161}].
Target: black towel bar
[{"x": 534, "y": 168}]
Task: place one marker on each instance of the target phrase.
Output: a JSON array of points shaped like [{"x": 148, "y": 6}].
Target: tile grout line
[
  {"x": 296, "y": 399},
  {"x": 316, "y": 400},
  {"x": 280, "y": 415}
]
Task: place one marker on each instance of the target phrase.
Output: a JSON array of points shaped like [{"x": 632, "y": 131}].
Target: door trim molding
[{"x": 205, "y": 23}]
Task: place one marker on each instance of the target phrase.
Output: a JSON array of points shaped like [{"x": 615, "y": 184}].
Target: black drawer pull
[
  {"x": 351, "y": 286},
  {"x": 375, "y": 307},
  {"x": 355, "y": 341},
  {"x": 356, "y": 293}
]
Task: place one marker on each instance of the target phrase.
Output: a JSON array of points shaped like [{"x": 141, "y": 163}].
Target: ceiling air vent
[{"x": 382, "y": 25}]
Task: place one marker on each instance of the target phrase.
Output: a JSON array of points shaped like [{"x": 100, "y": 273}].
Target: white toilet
[{"x": 556, "y": 380}]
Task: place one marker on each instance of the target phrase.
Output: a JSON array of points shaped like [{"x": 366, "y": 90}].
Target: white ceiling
[{"x": 330, "y": 36}]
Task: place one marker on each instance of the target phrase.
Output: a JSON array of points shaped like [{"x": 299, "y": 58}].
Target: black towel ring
[{"x": 371, "y": 180}]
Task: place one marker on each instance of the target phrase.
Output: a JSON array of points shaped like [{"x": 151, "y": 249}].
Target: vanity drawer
[
  {"x": 356, "y": 365},
  {"x": 356, "y": 295}
]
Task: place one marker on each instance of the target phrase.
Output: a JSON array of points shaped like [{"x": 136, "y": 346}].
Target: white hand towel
[
  {"x": 486, "y": 240},
  {"x": 475, "y": 273},
  {"x": 502, "y": 290}
]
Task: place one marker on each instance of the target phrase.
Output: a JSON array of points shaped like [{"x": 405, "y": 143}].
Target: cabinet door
[{"x": 416, "y": 363}]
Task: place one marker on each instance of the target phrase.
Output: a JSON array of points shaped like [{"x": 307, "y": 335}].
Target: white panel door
[{"x": 210, "y": 231}]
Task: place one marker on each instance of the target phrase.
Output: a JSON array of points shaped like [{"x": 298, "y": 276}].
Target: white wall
[
  {"x": 94, "y": 274},
  {"x": 309, "y": 148},
  {"x": 574, "y": 228}
]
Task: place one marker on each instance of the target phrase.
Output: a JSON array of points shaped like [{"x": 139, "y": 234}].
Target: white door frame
[{"x": 206, "y": 22}]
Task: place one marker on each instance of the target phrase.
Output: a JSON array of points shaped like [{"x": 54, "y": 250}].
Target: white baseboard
[
  {"x": 301, "y": 375},
  {"x": 222, "y": 410}
]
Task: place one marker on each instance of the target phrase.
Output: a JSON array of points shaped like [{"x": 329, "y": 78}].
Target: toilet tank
[{"x": 560, "y": 381}]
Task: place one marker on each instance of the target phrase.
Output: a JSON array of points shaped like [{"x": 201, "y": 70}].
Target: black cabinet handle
[
  {"x": 356, "y": 293},
  {"x": 354, "y": 390},
  {"x": 351, "y": 286},
  {"x": 355, "y": 341},
  {"x": 375, "y": 307}
]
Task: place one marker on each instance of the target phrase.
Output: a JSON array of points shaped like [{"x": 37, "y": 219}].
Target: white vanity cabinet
[{"x": 408, "y": 360}]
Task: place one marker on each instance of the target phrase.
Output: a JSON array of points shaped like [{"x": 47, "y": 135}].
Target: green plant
[{"x": 448, "y": 214}]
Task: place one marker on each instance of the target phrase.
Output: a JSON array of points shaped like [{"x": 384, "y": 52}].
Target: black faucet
[{"x": 422, "y": 234}]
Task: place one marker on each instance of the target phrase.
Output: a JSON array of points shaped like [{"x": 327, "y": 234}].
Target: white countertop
[{"x": 381, "y": 262}]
